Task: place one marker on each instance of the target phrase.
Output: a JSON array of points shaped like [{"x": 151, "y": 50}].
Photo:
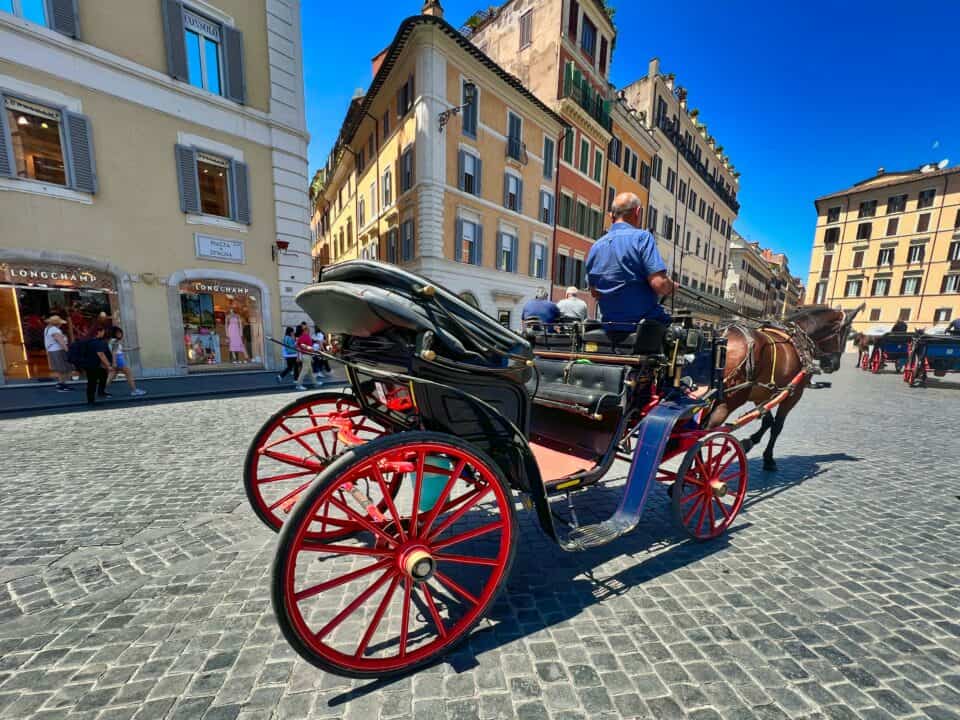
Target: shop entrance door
[{"x": 23, "y": 313}]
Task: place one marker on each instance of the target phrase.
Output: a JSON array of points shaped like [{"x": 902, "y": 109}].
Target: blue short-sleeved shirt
[
  {"x": 542, "y": 310},
  {"x": 618, "y": 266}
]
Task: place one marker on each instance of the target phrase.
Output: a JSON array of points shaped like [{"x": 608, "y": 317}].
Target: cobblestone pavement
[{"x": 134, "y": 583}]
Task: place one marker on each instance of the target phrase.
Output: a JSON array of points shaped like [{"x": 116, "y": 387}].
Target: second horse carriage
[
  {"x": 929, "y": 353},
  {"x": 887, "y": 347},
  {"x": 396, "y": 501}
]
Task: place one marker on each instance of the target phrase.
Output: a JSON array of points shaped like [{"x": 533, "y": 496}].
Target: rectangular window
[
  {"x": 833, "y": 214},
  {"x": 546, "y": 207},
  {"x": 469, "y": 248},
  {"x": 213, "y": 175},
  {"x": 852, "y": 288},
  {"x": 36, "y": 141},
  {"x": 652, "y": 219},
  {"x": 393, "y": 252},
  {"x": 372, "y": 146},
  {"x": 568, "y": 147},
  {"x": 588, "y": 38},
  {"x": 868, "y": 208},
  {"x": 886, "y": 256},
  {"x": 560, "y": 270},
  {"x": 904, "y": 314},
  {"x": 942, "y": 315},
  {"x": 573, "y": 19},
  {"x": 511, "y": 192},
  {"x": 951, "y": 284},
  {"x": 405, "y": 98},
  {"x": 584, "y": 157},
  {"x": 645, "y": 175},
  {"x": 602, "y": 63},
  {"x": 615, "y": 150},
  {"x": 627, "y": 154},
  {"x": 875, "y": 315},
  {"x": 925, "y": 199},
  {"x": 633, "y": 169},
  {"x": 858, "y": 259},
  {"x": 863, "y": 231},
  {"x": 514, "y": 136},
  {"x": 657, "y": 168},
  {"x": 682, "y": 193},
  {"x": 892, "y": 225},
  {"x": 566, "y": 212},
  {"x": 526, "y": 29},
  {"x": 956, "y": 221},
  {"x": 881, "y": 287},
  {"x": 406, "y": 170},
  {"x": 202, "y": 38},
  {"x": 820, "y": 293},
  {"x": 507, "y": 253},
  {"x": 406, "y": 241},
  {"x": 953, "y": 252},
  {"x": 825, "y": 266},
  {"x": 470, "y": 111},
  {"x": 910, "y": 286},
  {"x": 387, "y": 189},
  {"x": 923, "y": 222},
  {"x": 915, "y": 254},
  {"x": 671, "y": 180},
  {"x": 597, "y": 165},
  {"x": 548, "y": 158},
  {"x": 470, "y": 173},
  {"x": 611, "y": 194},
  {"x": 385, "y": 122},
  {"x": 896, "y": 204},
  {"x": 538, "y": 261},
  {"x": 581, "y": 219},
  {"x": 703, "y": 208},
  {"x": 361, "y": 213},
  {"x": 693, "y": 199},
  {"x": 709, "y": 215}
]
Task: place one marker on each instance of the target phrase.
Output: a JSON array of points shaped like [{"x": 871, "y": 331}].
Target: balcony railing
[
  {"x": 672, "y": 131},
  {"x": 576, "y": 87}
]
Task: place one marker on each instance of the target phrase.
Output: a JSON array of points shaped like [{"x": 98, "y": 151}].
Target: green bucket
[{"x": 433, "y": 483}]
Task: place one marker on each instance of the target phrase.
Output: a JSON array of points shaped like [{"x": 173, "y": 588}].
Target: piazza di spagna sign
[{"x": 54, "y": 275}]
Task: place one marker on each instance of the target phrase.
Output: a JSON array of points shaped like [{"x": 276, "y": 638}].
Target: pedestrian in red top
[{"x": 305, "y": 346}]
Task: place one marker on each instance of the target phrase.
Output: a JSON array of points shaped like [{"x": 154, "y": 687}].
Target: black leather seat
[
  {"x": 646, "y": 339},
  {"x": 581, "y": 387}
]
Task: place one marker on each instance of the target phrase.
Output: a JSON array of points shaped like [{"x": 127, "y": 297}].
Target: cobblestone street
[{"x": 134, "y": 582}]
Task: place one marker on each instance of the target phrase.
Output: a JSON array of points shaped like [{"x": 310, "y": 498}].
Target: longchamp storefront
[
  {"x": 33, "y": 290},
  {"x": 222, "y": 325}
]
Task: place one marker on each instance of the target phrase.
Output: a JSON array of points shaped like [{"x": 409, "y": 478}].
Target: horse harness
[{"x": 775, "y": 335}]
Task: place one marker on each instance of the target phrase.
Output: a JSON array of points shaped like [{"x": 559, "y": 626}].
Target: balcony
[
  {"x": 576, "y": 87},
  {"x": 672, "y": 132}
]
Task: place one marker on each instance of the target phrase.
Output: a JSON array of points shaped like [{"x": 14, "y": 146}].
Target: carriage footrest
[{"x": 591, "y": 536}]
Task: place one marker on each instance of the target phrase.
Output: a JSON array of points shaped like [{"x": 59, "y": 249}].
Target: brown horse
[{"x": 762, "y": 361}]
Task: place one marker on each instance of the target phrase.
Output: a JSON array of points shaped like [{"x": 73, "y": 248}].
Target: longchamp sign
[{"x": 54, "y": 275}]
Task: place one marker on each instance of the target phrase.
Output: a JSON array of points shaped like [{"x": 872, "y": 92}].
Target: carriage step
[{"x": 591, "y": 536}]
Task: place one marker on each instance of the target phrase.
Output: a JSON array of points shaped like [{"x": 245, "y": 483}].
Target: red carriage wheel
[
  {"x": 876, "y": 362},
  {"x": 711, "y": 486},
  {"x": 294, "y": 445},
  {"x": 417, "y": 578},
  {"x": 908, "y": 372}
]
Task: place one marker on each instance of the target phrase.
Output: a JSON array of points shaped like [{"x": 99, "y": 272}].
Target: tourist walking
[
  {"x": 95, "y": 360},
  {"x": 55, "y": 343},
  {"x": 289, "y": 353},
  {"x": 120, "y": 362},
  {"x": 305, "y": 346},
  {"x": 321, "y": 366}
]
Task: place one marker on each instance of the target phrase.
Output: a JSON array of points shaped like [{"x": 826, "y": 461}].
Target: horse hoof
[
  {"x": 747, "y": 444},
  {"x": 769, "y": 465}
]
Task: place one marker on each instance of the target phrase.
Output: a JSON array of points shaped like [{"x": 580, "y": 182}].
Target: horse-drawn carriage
[
  {"x": 880, "y": 346},
  {"x": 931, "y": 353},
  {"x": 395, "y": 501}
]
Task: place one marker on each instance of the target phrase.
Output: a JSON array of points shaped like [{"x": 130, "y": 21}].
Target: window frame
[
  {"x": 830, "y": 211},
  {"x": 910, "y": 278},
  {"x": 584, "y": 156},
  {"x": 914, "y": 251},
  {"x": 548, "y": 168},
  {"x": 851, "y": 283},
  {"x": 526, "y": 29},
  {"x": 877, "y": 282},
  {"x": 933, "y": 198},
  {"x": 228, "y": 182},
  {"x": 387, "y": 188},
  {"x": 65, "y": 154},
  {"x": 536, "y": 246},
  {"x": 868, "y": 209},
  {"x": 188, "y": 11},
  {"x": 597, "y": 165},
  {"x": 590, "y": 52},
  {"x": 892, "y": 252}
]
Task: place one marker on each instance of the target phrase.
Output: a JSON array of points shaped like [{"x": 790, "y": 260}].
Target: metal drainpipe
[{"x": 933, "y": 247}]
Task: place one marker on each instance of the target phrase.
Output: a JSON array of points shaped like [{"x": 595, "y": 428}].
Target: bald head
[{"x": 624, "y": 208}]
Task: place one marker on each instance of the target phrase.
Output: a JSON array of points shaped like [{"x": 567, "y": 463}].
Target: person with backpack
[
  {"x": 92, "y": 355},
  {"x": 289, "y": 353}
]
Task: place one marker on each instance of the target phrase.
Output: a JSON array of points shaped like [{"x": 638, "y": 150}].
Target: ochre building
[
  {"x": 152, "y": 165},
  {"x": 892, "y": 242}
]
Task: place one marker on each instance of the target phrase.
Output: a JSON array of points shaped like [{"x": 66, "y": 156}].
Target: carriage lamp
[{"x": 469, "y": 97}]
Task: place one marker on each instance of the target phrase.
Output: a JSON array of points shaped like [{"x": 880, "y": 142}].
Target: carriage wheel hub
[
  {"x": 419, "y": 565},
  {"x": 719, "y": 488}
]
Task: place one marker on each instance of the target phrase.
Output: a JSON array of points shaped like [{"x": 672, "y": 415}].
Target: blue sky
[{"x": 804, "y": 102}]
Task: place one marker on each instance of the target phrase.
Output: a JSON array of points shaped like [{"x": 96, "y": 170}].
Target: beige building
[
  {"x": 693, "y": 195},
  {"x": 749, "y": 277},
  {"x": 152, "y": 165},
  {"x": 891, "y": 241},
  {"x": 447, "y": 167}
]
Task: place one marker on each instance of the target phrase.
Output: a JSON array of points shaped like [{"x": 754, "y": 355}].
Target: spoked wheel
[
  {"x": 908, "y": 371},
  {"x": 294, "y": 445},
  {"x": 417, "y": 578},
  {"x": 711, "y": 486},
  {"x": 875, "y": 363}
]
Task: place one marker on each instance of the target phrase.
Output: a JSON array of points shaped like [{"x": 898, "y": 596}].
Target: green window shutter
[
  {"x": 62, "y": 16},
  {"x": 174, "y": 40},
  {"x": 83, "y": 167},
  {"x": 235, "y": 87},
  {"x": 187, "y": 180}
]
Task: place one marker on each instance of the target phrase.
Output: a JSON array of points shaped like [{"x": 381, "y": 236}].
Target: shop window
[
  {"x": 203, "y": 52},
  {"x": 212, "y": 185},
  {"x": 222, "y": 324},
  {"x": 35, "y": 141}
]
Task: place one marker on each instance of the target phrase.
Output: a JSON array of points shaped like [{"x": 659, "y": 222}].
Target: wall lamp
[{"x": 469, "y": 96}]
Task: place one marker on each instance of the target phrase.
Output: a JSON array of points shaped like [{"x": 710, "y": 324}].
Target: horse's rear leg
[
  {"x": 765, "y": 424},
  {"x": 777, "y": 426}
]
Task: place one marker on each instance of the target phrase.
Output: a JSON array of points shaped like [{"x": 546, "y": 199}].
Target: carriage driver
[{"x": 625, "y": 271}]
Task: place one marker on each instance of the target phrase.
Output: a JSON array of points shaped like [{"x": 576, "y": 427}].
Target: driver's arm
[{"x": 661, "y": 284}]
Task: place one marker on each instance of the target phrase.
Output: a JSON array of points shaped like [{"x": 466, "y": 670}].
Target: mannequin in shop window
[{"x": 238, "y": 351}]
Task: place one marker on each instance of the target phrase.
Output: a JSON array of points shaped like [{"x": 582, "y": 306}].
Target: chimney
[
  {"x": 653, "y": 69},
  {"x": 881, "y": 171},
  {"x": 432, "y": 7}
]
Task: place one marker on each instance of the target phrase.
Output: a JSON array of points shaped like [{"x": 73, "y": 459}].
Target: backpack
[{"x": 77, "y": 353}]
